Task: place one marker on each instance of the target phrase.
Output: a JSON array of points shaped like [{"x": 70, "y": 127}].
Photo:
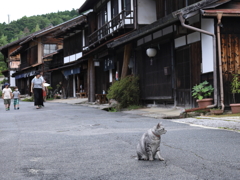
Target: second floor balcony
[{"x": 123, "y": 20}]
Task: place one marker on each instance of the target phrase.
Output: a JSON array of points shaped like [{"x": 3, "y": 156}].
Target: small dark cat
[{"x": 149, "y": 144}]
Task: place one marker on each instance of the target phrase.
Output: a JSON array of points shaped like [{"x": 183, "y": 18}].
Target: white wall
[
  {"x": 12, "y": 80},
  {"x": 73, "y": 57},
  {"x": 181, "y": 41},
  {"x": 207, "y": 45},
  {"x": 74, "y": 86},
  {"x": 109, "y": 14},
  {"x": 146, "y": 11}
]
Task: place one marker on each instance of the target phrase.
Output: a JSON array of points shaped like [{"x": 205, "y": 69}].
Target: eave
[
  {"x": 164, "y": 22},
  {"x": 51, "y": 29}
]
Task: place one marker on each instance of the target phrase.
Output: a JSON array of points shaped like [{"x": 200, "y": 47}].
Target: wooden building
[
  {"x": 109, "y": 21},
  {"x": 227, "y": 23},
  {"x": 110, "y": 38},
  {"x": 185, "y": 42},
  {"x": 35, "y": 53},
  {"x": 65, "y": 67},
  {"x": 13, "y": 62},
  {"x": 32, "y": 50}
]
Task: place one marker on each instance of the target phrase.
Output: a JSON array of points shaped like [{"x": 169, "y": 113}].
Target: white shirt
[
  {"x": 7, "y": 93},
  {"x": 41, "y": 77}
]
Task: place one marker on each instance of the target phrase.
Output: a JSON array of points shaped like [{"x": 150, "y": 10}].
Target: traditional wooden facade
[
  {"x": 110, "y": 20},
  {"x": 13, "y": 62},
  {"x": 227, "y": 20},
  {"x": 110, "y": 39},
  {"x": 32, "y": 50},
  {"x": 64, "y": 65},
  {"x": 185, "y": 54}
]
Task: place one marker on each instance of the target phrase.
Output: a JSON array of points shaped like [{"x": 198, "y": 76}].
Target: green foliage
[
  {"x": 235, "y": 86},
  {"x": 27, "y": 25},
  {"x": 132, "y": 107},
  {"x": 28, "y": 99},
  {"x": 50, "y": 99},
  {"x": 112, "y": 109},
  {"x": 49, "y": 88},
  {"x": 125, "y": 91},
  {"x": 202, "y": 90},
  {"x": 3, "y": 40}
]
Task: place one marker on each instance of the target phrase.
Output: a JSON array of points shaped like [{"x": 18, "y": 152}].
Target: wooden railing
[{"x": 112, "y": 26}]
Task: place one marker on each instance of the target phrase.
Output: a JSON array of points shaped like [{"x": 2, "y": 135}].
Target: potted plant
[
  {"x": 235, "y": 88},
  {"x": 216, "y": 111},
  {"x": 201, "y": 92}
]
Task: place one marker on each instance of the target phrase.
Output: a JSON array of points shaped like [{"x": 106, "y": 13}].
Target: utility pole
[{"x": 8, "y": 18}]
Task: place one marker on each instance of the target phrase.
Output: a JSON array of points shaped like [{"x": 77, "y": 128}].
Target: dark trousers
[{"x": 38, "y": 96}]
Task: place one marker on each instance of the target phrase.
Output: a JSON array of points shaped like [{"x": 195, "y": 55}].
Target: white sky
[{"x": 19, "y": 8}]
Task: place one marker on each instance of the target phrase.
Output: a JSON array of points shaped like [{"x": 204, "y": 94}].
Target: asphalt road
[{"x": 67, "y": 142}]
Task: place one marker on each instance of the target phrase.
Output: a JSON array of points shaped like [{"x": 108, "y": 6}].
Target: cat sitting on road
[{"x": 149, "y": 144}]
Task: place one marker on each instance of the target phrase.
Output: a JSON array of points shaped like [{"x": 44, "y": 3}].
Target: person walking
[
  {"x": 45, "y": 92},
  {"x": 7, "y": 96},
  {"x": 16, "y": 97},
  {"x": 37, "y": 89}
]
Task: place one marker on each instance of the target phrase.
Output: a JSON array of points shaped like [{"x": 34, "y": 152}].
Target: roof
[
  {"x": 53, "y": 28},
  {"x": 70, "y": 26},
  {"x": 224, "y": 11},
  {"x": 88, "y": 4},
  {"x": 229, "y": 9},
  {"x": 165, "y": 21},
  {"x": 13, "y": 43},
  {"x": 16, "y": 51}
]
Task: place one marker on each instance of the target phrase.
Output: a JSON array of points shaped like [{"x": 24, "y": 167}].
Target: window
[
  {"x": 102, "y": 17},
  {"x": 114, "y": 11},
  {"x": 49, "y": 48},
  {"x": 114, "y": 4},
  {"x": 102, "y": 20},
  {"x": 127, "y": 6}
]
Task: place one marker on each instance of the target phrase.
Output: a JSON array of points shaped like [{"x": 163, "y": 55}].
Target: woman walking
[{"x": 37, "y": 88}]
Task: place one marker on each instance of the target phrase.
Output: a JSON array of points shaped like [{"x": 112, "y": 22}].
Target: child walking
[
  {"x": 16, "y": 97},
  {"x": 7, "y": 96}
]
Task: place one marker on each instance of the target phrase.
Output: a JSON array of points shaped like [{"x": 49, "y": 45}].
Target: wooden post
[
  {"x": 91, "y": 80},
  {"x": 126, "y": 58}
]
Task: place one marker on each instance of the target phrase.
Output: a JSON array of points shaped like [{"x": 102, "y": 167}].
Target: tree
[
  {"x": 37, "y": 28},
  {"x": 3, "y": 65},
  {"x": 3, "y": 40}
]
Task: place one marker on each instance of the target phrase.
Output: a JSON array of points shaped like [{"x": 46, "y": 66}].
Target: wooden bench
[
  {"x": 81, "y": 95},
  {"x": 102, "y": 98}
]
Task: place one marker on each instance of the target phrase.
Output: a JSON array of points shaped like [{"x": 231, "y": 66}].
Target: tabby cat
[{"x": 149, "y": 144}]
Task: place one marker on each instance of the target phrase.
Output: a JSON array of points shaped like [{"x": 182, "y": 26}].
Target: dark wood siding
[
  {"x": 102, "y": 79},
  {"x": 57, "y": 60},
  {"x": 188, "y": 72},
  {"x": 230, "y": 47},
  {"x": 73, "y": 44},
  {"x": 160, "y": 5},
  {"x": 32, "y": 55},
  {"x": 183, "y": 76},
  {"x": 155, "y": 84},
  {"x": 24, "y": 62}
]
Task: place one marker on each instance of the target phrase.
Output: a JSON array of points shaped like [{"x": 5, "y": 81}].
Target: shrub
[
  {"x": 28, "y": 99},
  {"x": 125, "y": 91}
]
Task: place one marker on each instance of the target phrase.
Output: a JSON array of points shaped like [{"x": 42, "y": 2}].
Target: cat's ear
[{"x": 158, "y": 125}]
